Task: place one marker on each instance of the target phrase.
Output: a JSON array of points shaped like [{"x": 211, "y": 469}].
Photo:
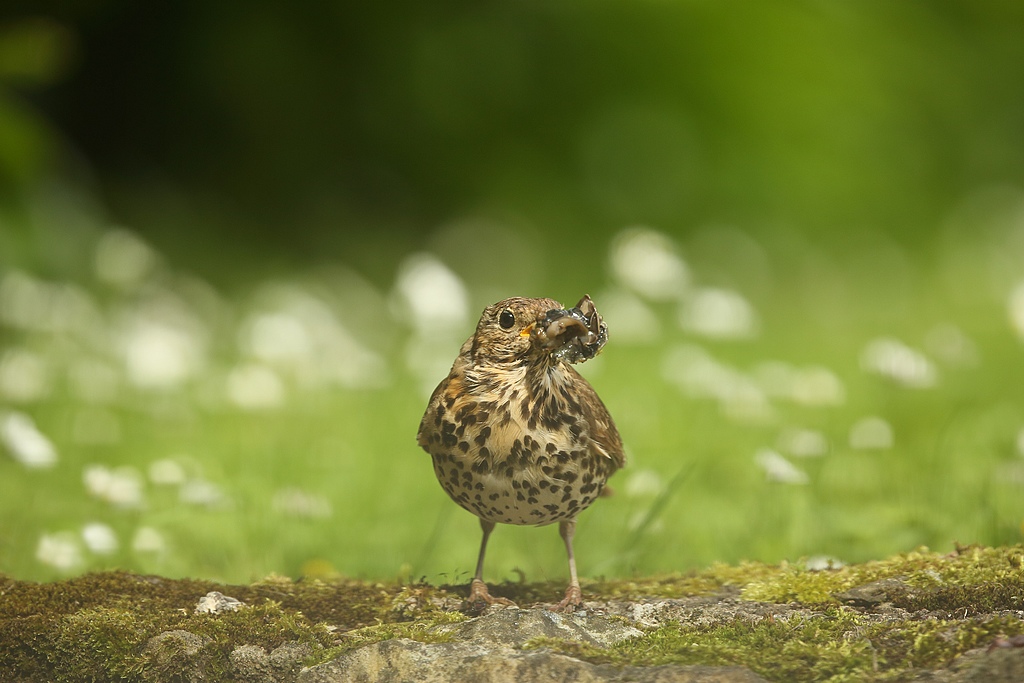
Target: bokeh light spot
[
  {"x": 895, "y": 361},
  {"x": 778, "y": 469},
  {"x": 100, "y": 538},
  {"x": 718, "y": 314},
  {"x": 871, "y": 433},
  {"x": 25, "y": 442},
  {"x": 647, "y": 262},
  {"x": 122, "y": 259}
]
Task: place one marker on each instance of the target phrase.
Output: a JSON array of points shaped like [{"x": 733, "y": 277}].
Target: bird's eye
[{"x": 506, "y": 319}]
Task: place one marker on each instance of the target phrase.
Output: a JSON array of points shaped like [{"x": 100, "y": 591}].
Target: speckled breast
[
  {"x": 552, "y": 492},
  {"x": 505, "y": 463}
]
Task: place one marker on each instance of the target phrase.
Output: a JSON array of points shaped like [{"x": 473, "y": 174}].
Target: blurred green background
[{"x": 240, "y": 243}]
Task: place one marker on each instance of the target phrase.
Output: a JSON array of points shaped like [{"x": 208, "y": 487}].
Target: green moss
[
  {"x": 795, "y": 649},
  {"x": 422, "y": 630},
  {"x": 98, "y": 644},
  {"x": 713, "y": 580},
  {"x": 933, "y": 643},
  {"x": 987, "y": 578},
  {"x": 100, "y": 627},
  {"x": 414, "y": 610},
  {"x": 96, "y": 627},
  {"x": 836, "y": 645},
  {"x": 979, "y": 579}
]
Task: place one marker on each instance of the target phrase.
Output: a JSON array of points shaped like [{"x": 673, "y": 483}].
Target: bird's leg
[
  {"x": 479, "y": 598},
  {"x": 573, "y": 594}
]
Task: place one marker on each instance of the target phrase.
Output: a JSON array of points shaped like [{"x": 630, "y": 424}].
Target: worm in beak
[{"x": 574, "y": 335}]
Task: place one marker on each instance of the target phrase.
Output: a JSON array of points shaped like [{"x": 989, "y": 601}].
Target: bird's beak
[
  {"x": 528, "y": 330},
  {"x": 573, "y": 335},
  {"x": 557, "y": 328}
]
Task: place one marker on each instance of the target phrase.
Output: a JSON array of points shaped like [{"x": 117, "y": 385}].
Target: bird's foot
[
  {"x": 480, "y": 599},
  {"x": 573, "y": 599}
]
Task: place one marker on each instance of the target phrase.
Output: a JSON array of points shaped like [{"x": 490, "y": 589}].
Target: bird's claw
[
  {"x": 480, "y": 599},
  {"x": 573, "y": 599}
]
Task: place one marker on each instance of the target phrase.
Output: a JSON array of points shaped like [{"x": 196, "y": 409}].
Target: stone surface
[
  {"x": 874, "y": 593},
  {"x": 99, "y": 627},
  {"x": 252, "y": 664},
  {"x": 216, "y": 602},
  {"x": 997, "y": 666},
  {"x": 485, "y": 649},
  {"x": 705, "y": 611},
  {"x": 178, "y": 655},
  {"x": 1001, "y": 665},
  {"x": 415, "y": 662},
  {"x": 514, "y": 627}
]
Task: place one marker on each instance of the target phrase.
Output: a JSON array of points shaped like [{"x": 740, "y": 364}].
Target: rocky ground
[{"x": 917, "y": 617}]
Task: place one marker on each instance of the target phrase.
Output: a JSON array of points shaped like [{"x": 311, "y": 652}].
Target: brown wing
[
  {"x": 427, "y": 423},
  {"x": 605, "y": 437},
  {"x": 451, "y": 384}
]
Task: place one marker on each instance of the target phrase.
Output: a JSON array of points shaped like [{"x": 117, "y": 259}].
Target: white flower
[
  {"x": 99, "y": 538},
  {"x": 160, "y": 355},
  {"x": 646, "y": 261},
  {"x": 299, "y": 503},
  {"x": 818, "y": 563},
  {"x": 950, "y": 344},
  {"x": 200, "y": 492},
  {"x": 894, "y": 360},
  {"x": 743, "y": 401},
  {"x": 60, "y": 551},
  {"x": 278, "y": 335},
  {"x": 166, "y": 472},
  {"x": 148, "y": 540},
  {"x": 871, "y": 433},
  {"x": 255, "y": 387},
  {"x": 33, "y": 304},
  {"x": 644, "y": 484},
  {"x": 24, "y": 300},
  {"x": 25, "y": 442},
  {"x": 123, "y": 259},
  {"x": 811, "y": 386},
  {"x": 429, "y": 295},
  {"x": 803, "y": 443},
  {"x": 776, "y": 378},
  {"x": 778, "y": 469},
  {"x": 718, "y": 314},
  {"x": 296, "y": 333},
  {"x": 695, "y": 371},
  {"x": 699, "y": 375},
  {"x": 817, "y": 386},
  {"x": 121, "y": 487},
  {"x": 24, "y": 376},
  {"x": 632, "y": 320}
]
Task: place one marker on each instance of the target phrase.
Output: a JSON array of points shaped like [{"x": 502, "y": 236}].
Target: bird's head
[{"x": 520, "y": 328}]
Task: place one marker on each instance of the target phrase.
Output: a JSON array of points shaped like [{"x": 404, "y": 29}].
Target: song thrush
[{"x": 517, "y": 436}]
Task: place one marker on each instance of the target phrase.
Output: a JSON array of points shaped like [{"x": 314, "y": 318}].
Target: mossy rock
[{"x": 911, "y": 616}]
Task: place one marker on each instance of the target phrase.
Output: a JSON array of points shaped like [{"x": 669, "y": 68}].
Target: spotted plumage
[{"x": 516, "y": 435}]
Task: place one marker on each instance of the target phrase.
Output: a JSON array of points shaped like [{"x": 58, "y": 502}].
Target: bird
[{"x": 516, "y": 434}]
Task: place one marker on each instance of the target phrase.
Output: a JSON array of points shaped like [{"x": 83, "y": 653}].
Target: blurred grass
[
  {"x": 843, "y": 185},
  {"x": 693, "y": 493}
]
